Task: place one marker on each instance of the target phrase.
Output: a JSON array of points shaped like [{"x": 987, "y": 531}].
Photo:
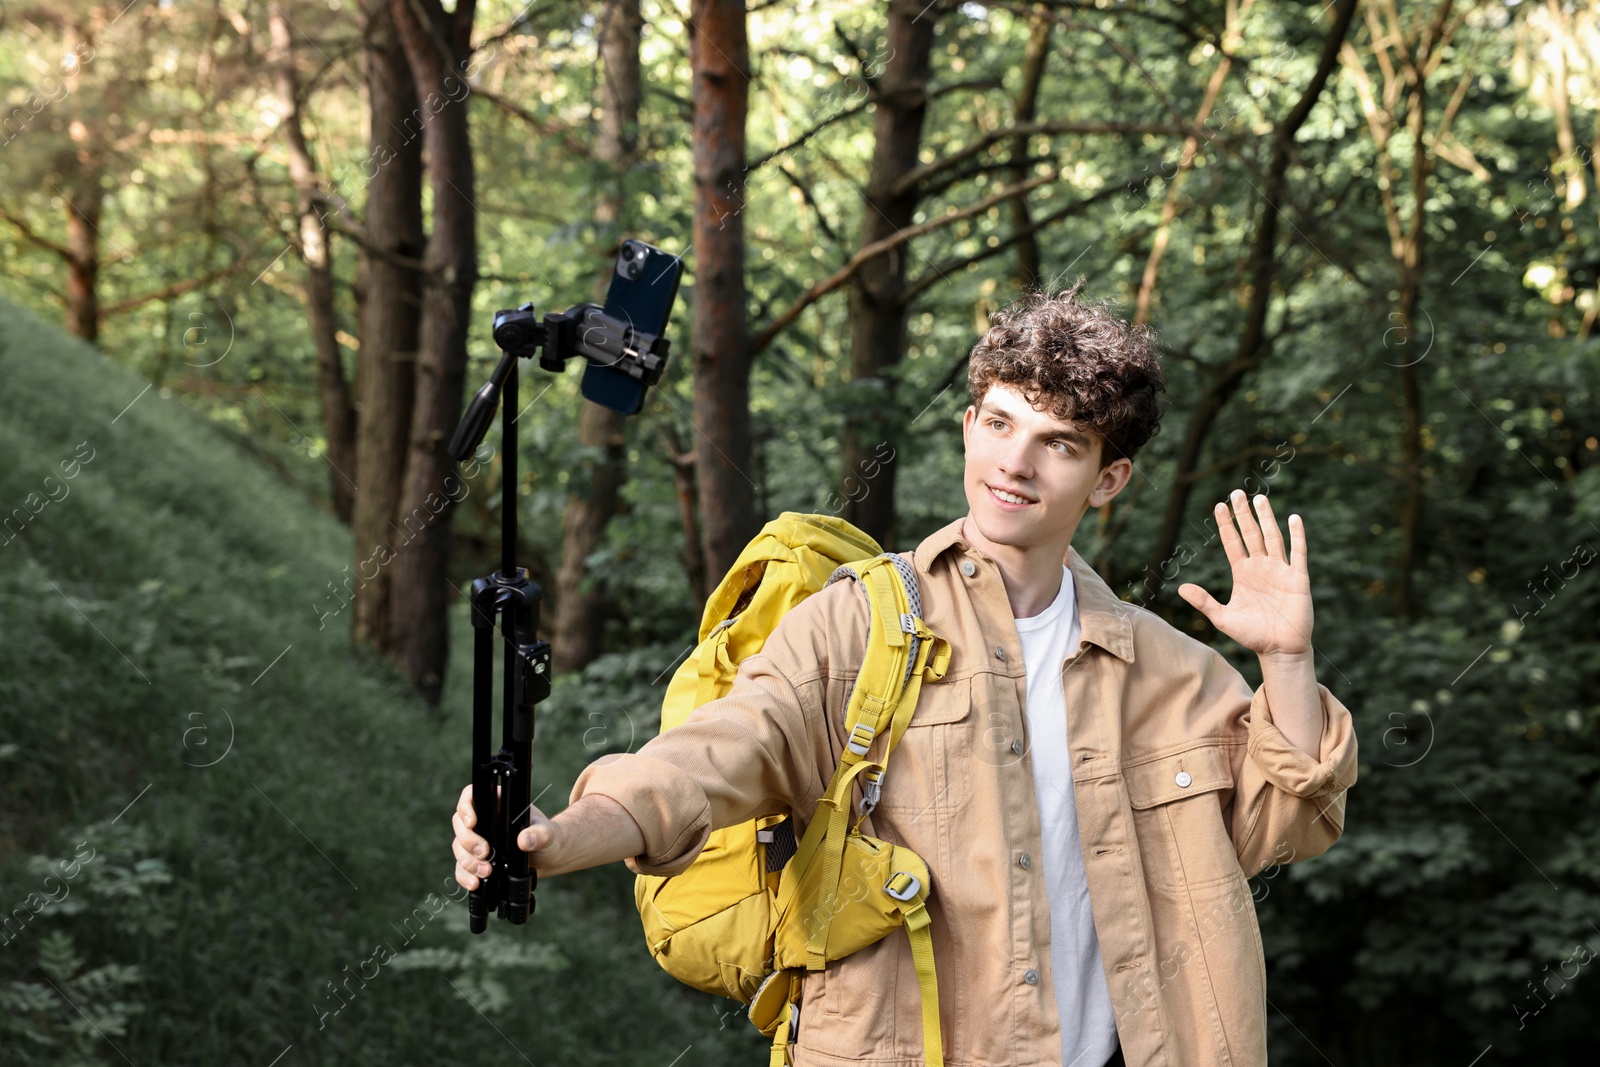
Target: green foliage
[
  {"x": 71, "y": 1013},
  {"x": 61, "y": 1010}
]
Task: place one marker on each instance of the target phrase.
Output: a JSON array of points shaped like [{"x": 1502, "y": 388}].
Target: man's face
[{"x": 1015, "y": 448}]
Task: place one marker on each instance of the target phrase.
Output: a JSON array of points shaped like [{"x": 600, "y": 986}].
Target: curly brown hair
[{"x": 1091, "y": 365}]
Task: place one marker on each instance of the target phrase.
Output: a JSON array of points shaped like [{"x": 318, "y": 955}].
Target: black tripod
[
  {"x": 501, "y": 783},
  {"x": 623, "y": 361}
]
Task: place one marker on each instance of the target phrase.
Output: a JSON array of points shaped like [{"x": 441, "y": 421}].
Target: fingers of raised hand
[
  {"x": 1198, "y": 598},
  {"x": 1231, "y": 544},
  {"x": 1248, "y": 527},
  {"x": 1269, "y": 527},
  {"x": 1297, "y": 542}
]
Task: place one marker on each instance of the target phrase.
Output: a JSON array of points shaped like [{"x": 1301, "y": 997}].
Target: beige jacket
[{"x": 1184, "y": 789}]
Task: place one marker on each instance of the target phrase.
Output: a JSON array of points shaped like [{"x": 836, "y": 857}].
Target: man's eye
[{"x": 995, "y": 422}]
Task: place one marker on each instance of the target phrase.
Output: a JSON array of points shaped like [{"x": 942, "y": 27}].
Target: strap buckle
[
  {"x": 871, "y": 791},
  {"x": 910, "y": 887},
  {"x": 861, "y": 738}
]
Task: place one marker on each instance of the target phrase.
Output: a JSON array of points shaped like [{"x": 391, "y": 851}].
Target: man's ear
[{"x": 1113, "y": 479}]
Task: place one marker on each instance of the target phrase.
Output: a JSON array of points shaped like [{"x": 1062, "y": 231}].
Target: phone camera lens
[{"x": 630, "y": 260}]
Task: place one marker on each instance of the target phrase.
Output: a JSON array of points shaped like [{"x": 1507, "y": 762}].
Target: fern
[{"x": 71, "y": 1016}]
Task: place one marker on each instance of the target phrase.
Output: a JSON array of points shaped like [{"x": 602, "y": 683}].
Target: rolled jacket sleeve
[
  {"x": 1288, "y": 804},
  {"x": 671, "y": 809},
  {"x": 751, "y": 752}
]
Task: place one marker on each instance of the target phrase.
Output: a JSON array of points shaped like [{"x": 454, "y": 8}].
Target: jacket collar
[{"x": 1104, "y": 619}]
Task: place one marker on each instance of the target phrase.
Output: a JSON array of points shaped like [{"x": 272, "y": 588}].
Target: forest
[{"x": 251, "y": 252}]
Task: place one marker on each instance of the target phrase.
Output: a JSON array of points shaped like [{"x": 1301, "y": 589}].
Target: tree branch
[
  {"x": 945, "y": 162},
  {"x": 175, "y": 289},
  {"x": 812, "y": 132},
  {"x": 524, "y": 18},
  {"x": 1014, "y": 164},
  {"x": 359, "y": 236},
  {"x": 877, "y": 248},
  {"x": 548, "y": 129},
  {"x": 26, "y": 231},
  {"x": 1172, "y": 109},
  {"x": 939, "y": 271},
  {"x": 811, "y": 202}
]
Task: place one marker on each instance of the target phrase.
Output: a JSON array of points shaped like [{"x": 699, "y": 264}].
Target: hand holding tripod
[{"x": 626, "y": 353}]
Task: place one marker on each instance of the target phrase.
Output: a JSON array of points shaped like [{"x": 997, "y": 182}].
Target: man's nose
[{"x": 1015, "y": 461}]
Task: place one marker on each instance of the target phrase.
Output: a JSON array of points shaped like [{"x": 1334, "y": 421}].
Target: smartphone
[{"x": 643, "y": 290}]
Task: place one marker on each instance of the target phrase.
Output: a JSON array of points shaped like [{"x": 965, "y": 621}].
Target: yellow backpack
[{"x": 754, "y": 911}]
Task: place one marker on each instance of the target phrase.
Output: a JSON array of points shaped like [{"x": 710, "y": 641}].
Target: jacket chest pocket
[
  {"x": 1177, "y": 802},
  {"x": 926, "y": 772}
]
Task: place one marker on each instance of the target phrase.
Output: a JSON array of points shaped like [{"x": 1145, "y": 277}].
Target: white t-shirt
[{"x": 1088, "y": 1024}]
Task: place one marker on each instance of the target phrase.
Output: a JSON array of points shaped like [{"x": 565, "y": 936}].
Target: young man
[{"x": 1089, "y": 786}]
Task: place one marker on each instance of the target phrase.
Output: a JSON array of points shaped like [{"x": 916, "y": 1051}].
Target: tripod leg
[
  {"x": 485, "y": 803},
  {"x": 517, "y": 890},
  {"x": 516, "y": 895}
]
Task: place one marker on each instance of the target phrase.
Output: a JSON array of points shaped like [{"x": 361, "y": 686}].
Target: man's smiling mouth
[{"x": 1008, "y": 497}]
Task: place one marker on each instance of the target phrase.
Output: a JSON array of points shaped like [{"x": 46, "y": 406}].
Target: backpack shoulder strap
[{"x": 901, "y": 652}]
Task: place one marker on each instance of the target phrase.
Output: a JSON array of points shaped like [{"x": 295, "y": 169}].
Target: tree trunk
[
  {"x": 1191, "y": 148},
  {"x": 592, "y": 504},
  {"x": 1407, "y": 56},
  {"x": 694, "y": 560},
  {"x": 438, "y": 45},
  {"x": 338, "y": 417},
  {"x": 719, "y": 56},
  {"x": 590, "y": 508},
  {"x": 1253, "y": 347},
  {"x": 877, "y": 309},
  {"x": 86, "y": 199},
  {"x": 1410, "y": 286},
  {"x": 390, "y": 314},
  {"x": 1560, "y": 30},
  {"x": 83, "y": 262},
  {"x": 1024, "y": 110}
]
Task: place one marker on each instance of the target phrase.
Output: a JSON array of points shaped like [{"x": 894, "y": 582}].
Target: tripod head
[
  {"x": 625, "y": 353},
  {"x": 584, "y": 330},
  {"x": 622, "y": 343}
]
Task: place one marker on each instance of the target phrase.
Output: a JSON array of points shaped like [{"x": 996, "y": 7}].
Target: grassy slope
[{"x": 138, "y": 613}]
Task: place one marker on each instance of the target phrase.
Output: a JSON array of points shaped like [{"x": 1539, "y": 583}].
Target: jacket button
[
  {"x": 999, "y": 653},
  {"x": 1030, "y": 976},
  {"x": 1183, "y": 778},
  {"x": 1016, "y": 747},
  {"x": 968, "y": 568},
  {"x": 1023, "y": 861}
]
